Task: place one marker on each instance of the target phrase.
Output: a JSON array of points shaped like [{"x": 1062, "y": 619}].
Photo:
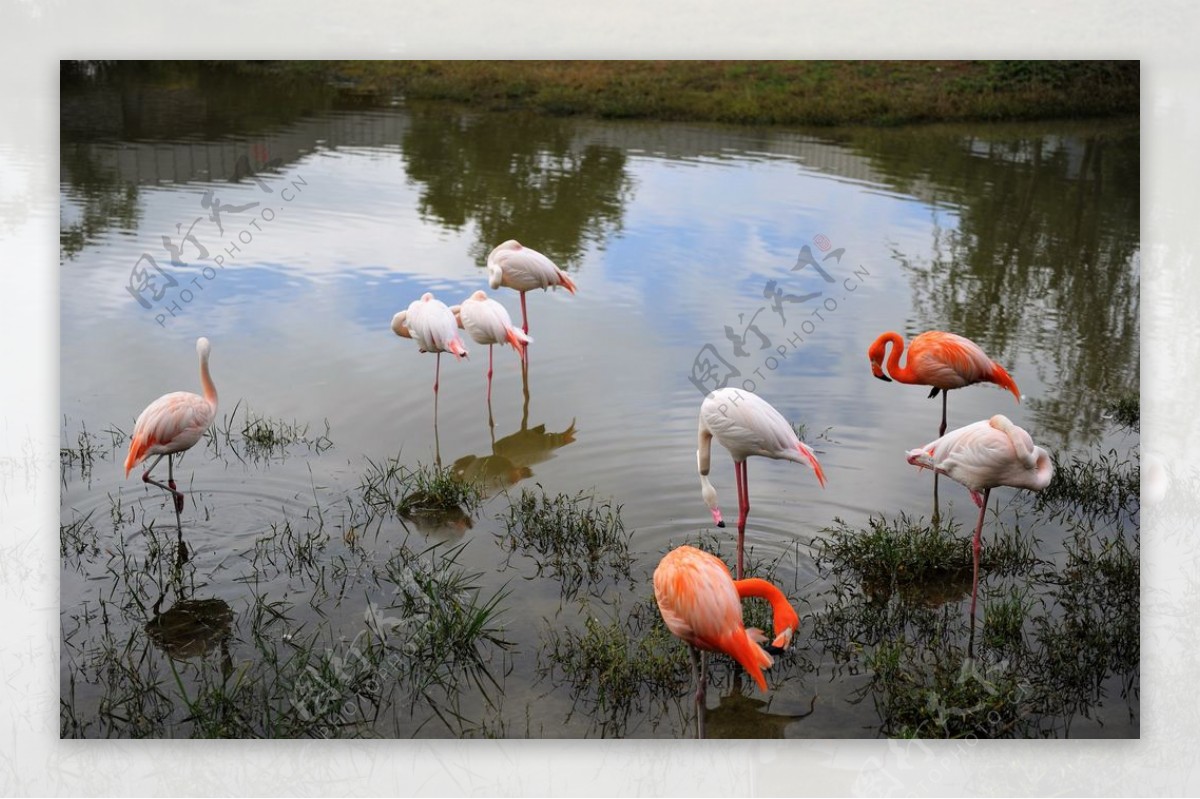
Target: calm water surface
[{"x": 687, "y": 243}]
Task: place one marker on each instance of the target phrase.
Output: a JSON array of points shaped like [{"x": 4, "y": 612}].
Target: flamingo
[
  {"x": 990, "y": 453},
  {"x": 746, "y": 425},
  {"x": 942, "y": 360},
  {"x": 701, "y": 604},
  {"x": 524, "y": 269},
  {"x": 173, "y": 423},
  {"x": 489, "y": 323},
  {"x": 435, "y": 329}
]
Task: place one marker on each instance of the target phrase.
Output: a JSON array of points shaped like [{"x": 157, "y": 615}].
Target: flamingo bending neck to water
[
  {"x": 746, "y": 425},
  {"x": 701, "y": 604},
  {"x": 984, "y": 455}
]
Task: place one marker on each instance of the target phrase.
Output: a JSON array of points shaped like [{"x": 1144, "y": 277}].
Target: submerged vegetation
[{"x": 575, "y": 539}]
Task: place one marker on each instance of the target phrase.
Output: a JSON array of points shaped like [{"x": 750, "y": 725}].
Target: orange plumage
[
  {"x": 939, "y": 359},
  {"x": 700, "y": 603}
]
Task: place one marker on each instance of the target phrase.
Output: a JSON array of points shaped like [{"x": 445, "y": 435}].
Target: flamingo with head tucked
[
  {"x": 701, "y": 604},
  {"x": 943, "y": 360},
  {"x": 746, "y": 425},
  {"x": 172, "y": 424},
  {"x": 518, "y": 267},
  {"x": 488, "y": 323},
  {"x": 984, "y": 455},
  {"x": 435, "y": 329}
]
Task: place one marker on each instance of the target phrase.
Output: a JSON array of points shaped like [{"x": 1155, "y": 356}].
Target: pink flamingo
[
  {"x": 981, "y": 456},
  {"x": 524, "y": 269},
  {"x": 435, "y": 329},
  {"x": 489, "y": 323},
  {"x": 746, "y": 425},
  {"x": 171, "y": 424},
  {"x": 701, "y": 604},
  {"x": 943, "y": 360}
]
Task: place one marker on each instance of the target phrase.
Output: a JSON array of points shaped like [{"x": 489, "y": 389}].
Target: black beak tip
[
  {"x": 884, "y": 378},
  {"x": 720, "y": 524},
  {"x": 774, "y": 650}
]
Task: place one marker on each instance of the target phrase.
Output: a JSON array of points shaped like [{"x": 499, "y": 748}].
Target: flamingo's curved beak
[{"x": 716, "y": 514}]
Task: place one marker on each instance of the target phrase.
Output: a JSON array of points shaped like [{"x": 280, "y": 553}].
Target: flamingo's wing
[
  {"x": 746, "y": 424},
  {"x": 172, "y": 423},
  {"x": 525, "y": 269},
  {"x": 947, "y": 360}
]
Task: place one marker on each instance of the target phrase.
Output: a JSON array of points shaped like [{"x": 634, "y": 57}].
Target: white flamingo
[{"x": 746, "y": 425}]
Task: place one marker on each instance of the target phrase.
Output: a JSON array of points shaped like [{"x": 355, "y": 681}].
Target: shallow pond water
[{"x": 288, "y": 223}]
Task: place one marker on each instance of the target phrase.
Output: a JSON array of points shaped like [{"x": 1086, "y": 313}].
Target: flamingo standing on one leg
[
  {"x": 173, "y": 423},
  {"x": 943, "y": 360},
  {"x": 746, "y": 425},
  {"x": 981, "y": 456},
  {"x": 489, "y": 323},
  {"x": 435, "y": 329},
  {"x": 701, "y": 604},
  {"x": 524, "y": 269}
]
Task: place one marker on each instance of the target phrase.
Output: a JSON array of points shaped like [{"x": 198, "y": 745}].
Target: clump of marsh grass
[
  {"x": 87, "y": 449},
  {"x": 390, "y": 488},
  {"x": 616, "y": 667},
  {"x": 907, "y": 551},
  {"x": 1126, "y": 412},
  {"x": 262, "y": 438},
  {"x": 1104, "y": 485},
  {"x": 79, "y": 539},
  {"x": 579, "y": 541}
]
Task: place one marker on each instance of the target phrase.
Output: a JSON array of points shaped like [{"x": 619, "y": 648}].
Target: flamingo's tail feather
[
  {"x": 813, "y": 462},
  {"x": 137, "y": 451},
  {"x": 518, "y": 339},
  {"x": 566, "y": 282},
  {"x": 741, "y": 646},
  {"x": 1003, "y": 379}
]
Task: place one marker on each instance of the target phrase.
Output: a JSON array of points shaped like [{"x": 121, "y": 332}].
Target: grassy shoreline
[{"x": 819, "y": 93}]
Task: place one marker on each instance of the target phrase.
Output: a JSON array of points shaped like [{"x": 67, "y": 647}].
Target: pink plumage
[
  {"x": 173, "y": 423},
  {"x": 523, "y": 269}
]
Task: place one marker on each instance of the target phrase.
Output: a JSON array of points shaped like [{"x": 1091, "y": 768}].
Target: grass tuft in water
[
  {"x": 1126, "y": 412},
  {"x": 1104, "y": 485},
  {"x": 907, "y": 551},
  {"x": 261, "y": 437},
  {"x": 616, "y": 667},
  {"x": 576, "y": 539}
]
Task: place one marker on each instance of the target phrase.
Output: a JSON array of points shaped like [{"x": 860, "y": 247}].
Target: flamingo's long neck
[
  {"x": 703, "y": 461},
  {"x": 783, "y": 615},
  {"x": 895, "y": 370},
  {"x": 210, "y": 390}
]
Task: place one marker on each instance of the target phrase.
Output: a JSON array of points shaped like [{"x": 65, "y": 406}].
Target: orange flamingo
[
  {"x": 943, "y": 360},
  {"x": 982, "y": 456},
  {"x": 746, "y": 425},
  {"x": 524, "y": 269},
  {"x": 701, "y": 604},
  {"x": 173, "y": 423}
]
